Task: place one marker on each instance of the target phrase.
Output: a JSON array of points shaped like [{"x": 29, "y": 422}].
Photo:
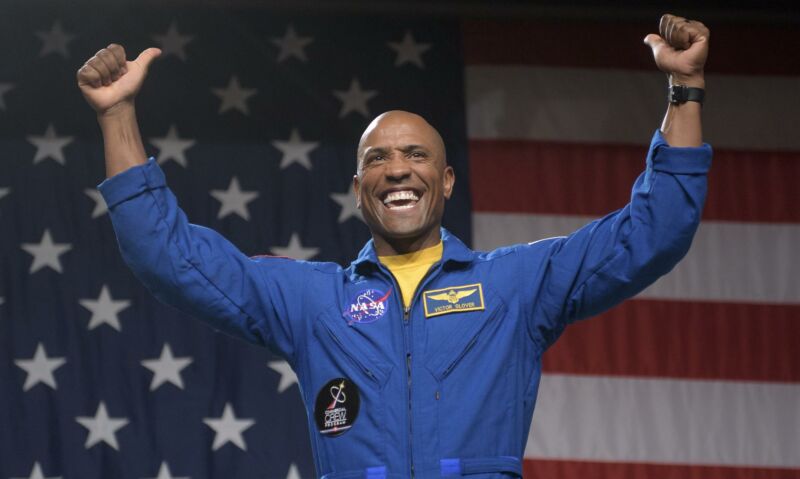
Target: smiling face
[{"x": 402, "y": 182}]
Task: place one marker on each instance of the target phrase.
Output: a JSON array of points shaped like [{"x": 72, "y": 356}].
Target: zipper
[
  {"x": 350, "y": 356},
  {"x": 461, "y": 355},
  {"x": 467, "y": 348},
  {"x": 406, "y": 327},
  {"x": 407, "y": 344}
]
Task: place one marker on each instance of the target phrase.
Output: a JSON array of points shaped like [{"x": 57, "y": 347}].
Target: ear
[
  {"x": 449, "y": 181},
  {"x": 357, "y": 191}
]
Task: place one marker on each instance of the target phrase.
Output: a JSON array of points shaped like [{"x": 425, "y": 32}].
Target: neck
[{"x": 395, "y": 246}]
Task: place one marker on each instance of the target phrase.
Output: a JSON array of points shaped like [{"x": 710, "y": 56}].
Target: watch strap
[{"x": 678, "y": 94}]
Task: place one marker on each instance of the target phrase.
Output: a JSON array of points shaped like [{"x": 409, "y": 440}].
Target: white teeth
[{"x": 404, "y": 195}]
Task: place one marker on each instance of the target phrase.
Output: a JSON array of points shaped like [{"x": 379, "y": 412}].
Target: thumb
[
  {"x": 654, "y": 41},
  {"x": 147, "y": 56}
]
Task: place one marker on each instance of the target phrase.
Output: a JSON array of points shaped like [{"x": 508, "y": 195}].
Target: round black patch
[{"x": 336, "y": 408}]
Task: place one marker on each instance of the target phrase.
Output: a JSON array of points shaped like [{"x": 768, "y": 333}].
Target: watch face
[
  {"x": 677, "y": 94},
  {"x": 682, "y": 94}
]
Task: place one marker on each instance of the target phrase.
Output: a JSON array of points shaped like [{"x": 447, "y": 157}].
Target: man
[{"x": 422, "y": 358}]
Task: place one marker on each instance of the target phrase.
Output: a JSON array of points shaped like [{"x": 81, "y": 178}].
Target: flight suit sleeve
[
  {"x": 197, "y": 270},
  {"x": 617, "y": 256}
]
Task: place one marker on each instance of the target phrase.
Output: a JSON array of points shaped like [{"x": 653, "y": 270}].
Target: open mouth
[{"x": 401, "y": 199}]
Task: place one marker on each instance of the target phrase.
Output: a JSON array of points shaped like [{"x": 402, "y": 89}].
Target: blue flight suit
[{"x": 446, "y": 388}]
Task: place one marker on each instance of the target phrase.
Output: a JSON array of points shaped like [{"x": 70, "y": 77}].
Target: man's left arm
[{"x": 617, "y": 256}]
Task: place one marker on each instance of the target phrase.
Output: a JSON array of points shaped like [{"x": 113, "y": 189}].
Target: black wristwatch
[{"x": 678, "y": 94}]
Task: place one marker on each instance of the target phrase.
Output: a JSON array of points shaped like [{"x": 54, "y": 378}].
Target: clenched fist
[
  {"x": 680, "y": 49},
  {"x": 108, "y": 79}
]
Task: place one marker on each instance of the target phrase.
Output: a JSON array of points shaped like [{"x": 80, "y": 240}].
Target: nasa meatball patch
[
  {"x": 368, "y": 306},
  {"x": 336, "y": 408}
]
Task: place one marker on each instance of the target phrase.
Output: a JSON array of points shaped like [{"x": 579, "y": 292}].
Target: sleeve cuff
[
  {"x": 132, "y": 182},
  {"x": 690, "y": 160}
]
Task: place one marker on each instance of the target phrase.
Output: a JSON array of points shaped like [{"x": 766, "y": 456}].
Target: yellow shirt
[{"x": 409, "y": 269}]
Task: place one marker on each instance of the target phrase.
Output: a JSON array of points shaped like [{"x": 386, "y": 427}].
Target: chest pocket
[
  {"x": 342, "y": 341},
  {"x": 451, "y": 336}
]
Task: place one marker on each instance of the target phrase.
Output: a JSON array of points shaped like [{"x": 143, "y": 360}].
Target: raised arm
[
  {"x": 617, "y": 256},
  {"x": 190, "y": 267},
  {"x": 110, "y": 83}
]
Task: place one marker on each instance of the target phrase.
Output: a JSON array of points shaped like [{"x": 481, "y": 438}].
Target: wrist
[
  {"x": 121, "y": 111},
  {"x": 694, "y": 81}
]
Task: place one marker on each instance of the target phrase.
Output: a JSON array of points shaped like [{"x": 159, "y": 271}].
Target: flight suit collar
[{"x": 453, "y": 251}]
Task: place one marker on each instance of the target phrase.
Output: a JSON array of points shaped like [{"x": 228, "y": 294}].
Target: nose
[{"x": 398, "y": 168}]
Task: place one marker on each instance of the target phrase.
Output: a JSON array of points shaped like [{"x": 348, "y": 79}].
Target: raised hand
[
  {"x": 108, "y": 80},
  {"x": 680, "y": 49}
]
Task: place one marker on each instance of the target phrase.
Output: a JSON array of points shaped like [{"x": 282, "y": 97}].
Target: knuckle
[{"x": 118, "y": 50}]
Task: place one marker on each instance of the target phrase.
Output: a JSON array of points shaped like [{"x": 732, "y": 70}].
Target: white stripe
[
  {"x": 624, "y": 106},
  {"x": 722, "y": 423},
  {"x": 740, "y": 262}
]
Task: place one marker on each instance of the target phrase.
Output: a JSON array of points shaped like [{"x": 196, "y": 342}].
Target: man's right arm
[{"x": 190, "y": 267}]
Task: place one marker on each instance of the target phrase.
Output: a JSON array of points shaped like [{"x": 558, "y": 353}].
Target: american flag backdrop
[{"x": 255, "y": 114}]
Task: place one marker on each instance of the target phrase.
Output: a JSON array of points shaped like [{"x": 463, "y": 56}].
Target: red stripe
[
  {"x": 522, "y": 176},
  {"x": 595, "y": 44},
  {"x": 540, "y": 468},
  {"x": 678, "y": 339}
]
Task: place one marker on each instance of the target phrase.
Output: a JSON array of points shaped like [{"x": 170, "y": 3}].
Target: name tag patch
[{"x": 453, "y": 299}]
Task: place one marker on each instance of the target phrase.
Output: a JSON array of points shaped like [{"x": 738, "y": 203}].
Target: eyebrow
[
  {"x": 376, "y": 149},
  {"x": 408, "y": 148},
  {"x": 404, "y": 149}
]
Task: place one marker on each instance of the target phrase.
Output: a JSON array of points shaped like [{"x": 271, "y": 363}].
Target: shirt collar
[{"x": 453, "y": 250}]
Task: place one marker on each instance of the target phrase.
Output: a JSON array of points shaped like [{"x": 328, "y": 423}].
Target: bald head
[
  {"x": 402, "y": 182},
  {"x": 394, "y": 125}
]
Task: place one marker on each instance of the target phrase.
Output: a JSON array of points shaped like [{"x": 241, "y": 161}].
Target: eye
[
  {"x": 418, "y": 154},
  {"x": 372, "y": 159}
]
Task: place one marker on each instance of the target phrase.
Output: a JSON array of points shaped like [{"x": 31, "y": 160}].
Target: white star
[
  {"x": 36, "y": 473},
  {"x": 49, "y": 145},
  {"x": 293, "y": 472},
  {"x": 104, "y": 309},
  {"x": 354, "y": 99},
  {"x": 348, "y": 203},
  {"x": 40, "y": 368},
  {"x": 100, "y": 207},
  {"x": 228, "y": 429},
  {"x": 288, "y": 377},
  {"x": 4, "y": 88},
  {"x": 163, "y": 472},
  {"x": 166, "y": 368},
  {"x": 55, "y": 40},
  {"x": 295, "y": 249},
  {"x": 291, "y": 45},
  {"x": 234, "y": 200},
  {"x": 172, "y": 42},
  {"x": 234, "y": 96},
  {"x": 101, "y": 427},
  {"x": 171, "y": 147},
  {"x": 408, "y": 51},
  {"x": 46, "y": 253},
  {"x": 295, "y": 150}
]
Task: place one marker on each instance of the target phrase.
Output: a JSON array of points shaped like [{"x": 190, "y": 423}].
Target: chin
[{"x": 404, "y": 230}]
